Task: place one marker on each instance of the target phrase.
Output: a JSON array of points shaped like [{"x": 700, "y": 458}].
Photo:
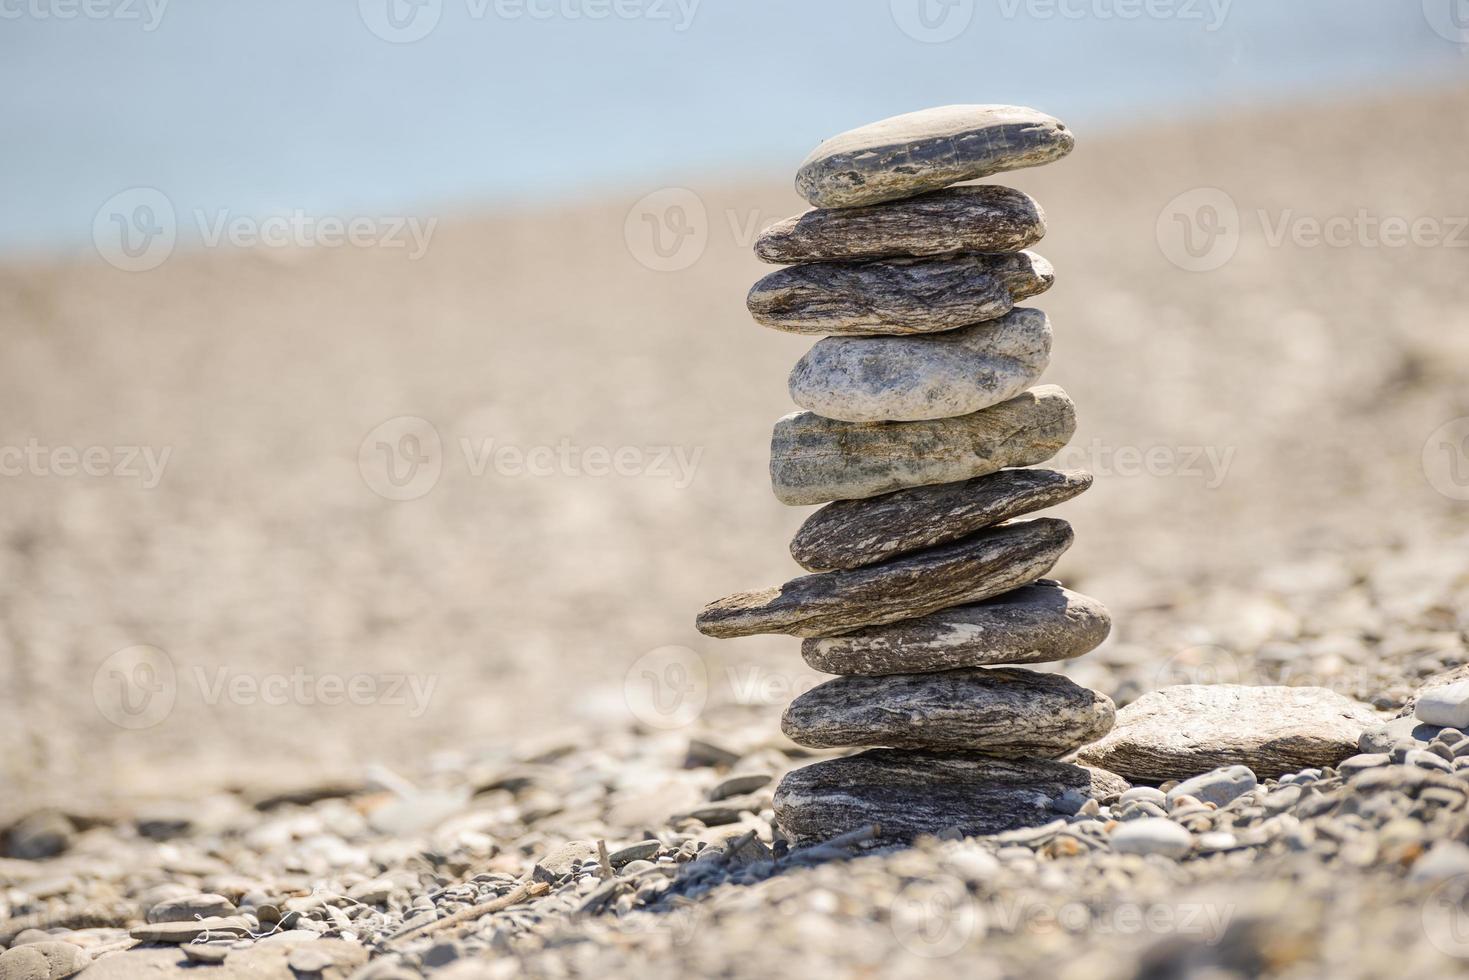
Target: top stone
[{"x": 927, "y": 150}]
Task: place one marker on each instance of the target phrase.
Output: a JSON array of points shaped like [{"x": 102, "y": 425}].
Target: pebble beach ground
[{"x": 1279, "y": 499}]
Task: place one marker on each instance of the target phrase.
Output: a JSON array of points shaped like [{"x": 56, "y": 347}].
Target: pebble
[
  {"x": 911, "y": 793},
  {"x": 1353, "y": 765},
  {"x": 978, "y": 218},
  {"x": 564, "y": 858},
  {"x": 849, "y": 534},
  {"x": 1152, "y": 835},
  {"x": 190, "y": 907},
  {"x": 1194, "y": 727},
  {"x": 42, "y": 961},
  {"x": 909, "y": 154},
  {"x": 38, "y": 836},
  {"x": 1000, "y": 712},
  {"x": 1446, "y": 706},
  {"x": 640, "y": 851},
  {"x": 1218, "y": 786},
  {"x": 739, "y": 785},
  {"x": 217, "y": 927},
  {"x": 897, "y": 296},
  {"x": 931, "y": 376},
  {"x": 985, "y": 565},
  {"x": 814, "y": 460},
  {"x": 1383, "y": 738},
  {"x": 1148, "y": 794},
  {"x": 1037, "y": 623}
]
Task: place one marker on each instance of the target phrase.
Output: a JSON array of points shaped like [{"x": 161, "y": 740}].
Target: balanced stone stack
[{"x": 920, "y": 405}]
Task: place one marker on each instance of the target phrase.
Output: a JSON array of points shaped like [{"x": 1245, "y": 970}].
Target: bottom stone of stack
[{"x": 907, "y": 794}]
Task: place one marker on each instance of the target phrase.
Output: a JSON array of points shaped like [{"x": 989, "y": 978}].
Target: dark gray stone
[
  {"x": 911, "y": 793},
  {"x": 987, "y": 564},
  {"x": 853, "y": 533},
  {"x": 814, "y": 460},
  {"x": 981, "y": 218},
  {"x": 897, "y": 296},
  {"x": 1001, "y": 712},
  {"x": 923, "y": 151},
  {"x": 1035, "y": 624}
]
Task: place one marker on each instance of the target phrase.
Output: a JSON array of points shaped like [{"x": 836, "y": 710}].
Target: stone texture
[
  {"x": 1179, "y": 731},
  {"x": 923, "y": 151},
  {"x": 1035, "y": 624},
  {"x": 190, "y": 907},
  {"x": 1152, "y": 835},
  {"x": 1218, "y": 786},
  {"x": 1446, "y": 706},
  {"x": 981, "y": 218},
  {"x": 987, "y": 564},
  {"x": 814, "y": 460},
  {"x": 217, "y": 927},
  {"x": 1001, "y": 712},
  {"x": 853, "y": 533},
  {"x": 929, "y": 376},
  {"x": 897, "y": 296},
  {"x": 911, "y": 793}
]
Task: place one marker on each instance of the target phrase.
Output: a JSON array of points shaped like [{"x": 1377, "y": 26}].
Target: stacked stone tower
[{"x": 920, "y": 404}]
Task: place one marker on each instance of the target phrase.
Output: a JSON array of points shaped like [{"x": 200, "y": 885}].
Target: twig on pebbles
[
  {"x": 604, "y": 860},
  {"x": 519, "y": 894}
]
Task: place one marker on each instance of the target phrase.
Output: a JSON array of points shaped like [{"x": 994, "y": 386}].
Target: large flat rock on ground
[
  {"x": 1181, "y": 731},
  {"x": 911, "y": 793}
]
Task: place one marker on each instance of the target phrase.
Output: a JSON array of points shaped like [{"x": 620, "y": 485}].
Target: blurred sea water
[{"x": 374, "y": 106}]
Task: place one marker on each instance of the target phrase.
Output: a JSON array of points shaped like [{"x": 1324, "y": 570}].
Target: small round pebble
[{"x": 1152, "y": 835}]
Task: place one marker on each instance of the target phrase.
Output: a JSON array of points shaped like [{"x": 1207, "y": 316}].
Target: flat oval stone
[
  {"x": 923, "y": 151},
  {"x": 814, "y": 460},
  {"x": 1001, "y": 712},
  {"x": 897, "y": 296},
  {"x": 929, "y": 376},
  {"x": 908, "y": 793},
  {"x": 987, "y": 564},
  {"x": 1182, "y": 730},
  {"x": 853, "y": 533},
  {"x": 1035, "y": 624},
  {"x": 981, "y": 218}
]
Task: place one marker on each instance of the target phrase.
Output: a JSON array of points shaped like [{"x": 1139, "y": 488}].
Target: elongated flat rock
[
  {"x": 923, "y": 151},
  {"x": 982, "y": 218},
  {"x": 897, "y": 296},
  {"x": 1180, "y": 731},
  {"x": 814, "y": 460},
  {"x": 911, "y": 793},
  {"x": 1001, "y": 712},
  {"x": 988, "y": 564},
  {"x": 853, "y": 533},
  {"x": 928, "y": 376},
  {"x": 1036, "y": 624}
]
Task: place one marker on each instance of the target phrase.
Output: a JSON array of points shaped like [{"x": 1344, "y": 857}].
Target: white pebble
[
  {"x": 1447, "y": 706},
  {"x": 1152, "y": 835}
]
